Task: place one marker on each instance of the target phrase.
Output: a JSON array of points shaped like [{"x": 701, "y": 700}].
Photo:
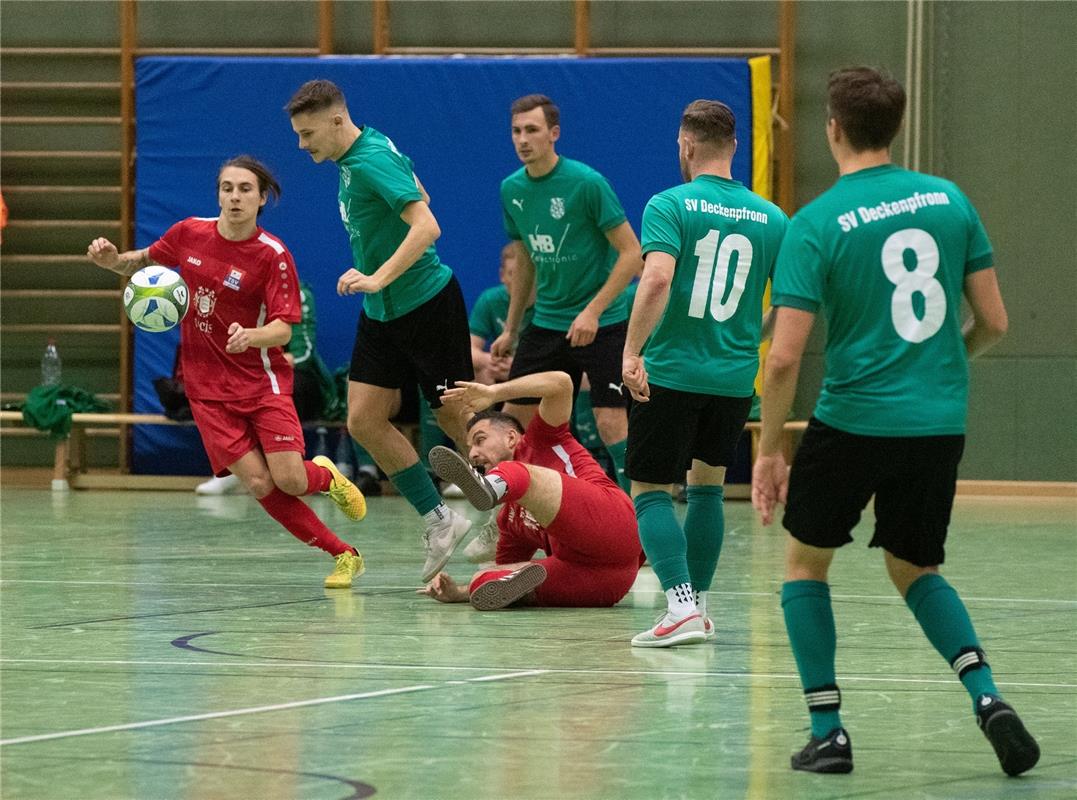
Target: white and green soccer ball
[{"x": 156, "y": 299}]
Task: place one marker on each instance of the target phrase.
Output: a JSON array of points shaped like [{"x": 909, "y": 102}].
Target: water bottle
[
  {"x": 321, "y": 448},
  {"x": 343, "y": 457},
  {"x": 50, "y": 365}
]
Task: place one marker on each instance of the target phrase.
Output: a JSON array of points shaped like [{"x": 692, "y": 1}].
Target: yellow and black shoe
[{"x": 342, "y": 491}]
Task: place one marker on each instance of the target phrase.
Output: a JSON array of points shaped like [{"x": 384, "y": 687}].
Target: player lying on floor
[{"x": 554, "y": 497}]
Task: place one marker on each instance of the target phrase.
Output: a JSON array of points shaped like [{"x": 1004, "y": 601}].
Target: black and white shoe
[
  {"x": 452, "y": 467},
  {"x": 831, "y": 754},
  {"x": 1017, "y": 751}
]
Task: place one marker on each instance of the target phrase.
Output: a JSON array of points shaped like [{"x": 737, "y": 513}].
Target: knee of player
[
  {"x": 293, "y": 483},
  {"x": 259, "y": 485}
]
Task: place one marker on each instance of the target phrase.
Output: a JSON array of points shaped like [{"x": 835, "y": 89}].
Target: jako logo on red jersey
[{"x": 235, "y": 277}]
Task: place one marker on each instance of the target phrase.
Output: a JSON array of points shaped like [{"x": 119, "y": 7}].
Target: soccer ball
[{"x": 156, "y": 299}]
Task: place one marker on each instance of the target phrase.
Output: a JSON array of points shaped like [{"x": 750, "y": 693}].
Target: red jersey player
[
  {"x": 554, "y": 497},
  {"x": 245, "y": 296}
]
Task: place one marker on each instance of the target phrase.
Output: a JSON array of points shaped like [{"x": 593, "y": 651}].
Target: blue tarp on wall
[{"x": 450, "y": 116}]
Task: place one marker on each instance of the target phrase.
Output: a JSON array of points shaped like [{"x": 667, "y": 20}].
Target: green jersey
[
  {"x": 487, "y": 318},
  {"x": 376, "y": 183},
  {"x": 884, "y": 254},
  {"x": 725, "y": 240},
  {"x": 562, "y": 219}
]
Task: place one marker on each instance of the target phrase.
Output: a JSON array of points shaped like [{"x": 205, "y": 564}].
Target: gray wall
[{"x": 999, "y": 119}]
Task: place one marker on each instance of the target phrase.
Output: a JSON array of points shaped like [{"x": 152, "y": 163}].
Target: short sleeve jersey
[
  {"x": 725, "y": 240},
  {"x": 376, "y": 182},
  {"x": 549, "y": 446},
  {"x": 884, "y": 254},
  {"x": 252, "y": 282},
  {"x": 487, "y": 318},
  {"x": 562, "y": 219}
]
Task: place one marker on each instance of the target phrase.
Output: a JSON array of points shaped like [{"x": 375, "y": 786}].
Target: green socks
[
  {"x": 415, "y": 485},
  {"x": 617, "y": 456},
  {"x": 945, "y": 621},
  {"x": 662, "y": 538},
  {"x": 809, "y": 620},
  {"x": 704, "y": 529}
]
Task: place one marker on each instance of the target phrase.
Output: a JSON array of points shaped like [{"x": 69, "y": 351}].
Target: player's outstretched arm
[
  {"x": 989, "y": 320},
  {"x": 104, "y": 254}
]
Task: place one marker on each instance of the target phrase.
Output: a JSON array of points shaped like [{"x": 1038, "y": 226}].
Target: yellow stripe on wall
[{"x": 762, "y": 176}]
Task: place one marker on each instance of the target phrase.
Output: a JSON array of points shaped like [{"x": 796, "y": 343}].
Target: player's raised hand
[
  {"x": 634, "y": 375},
  {"x": 770, "y": 485},
  {"x": 471, "y": 396},
  {"x": 103, "y": 253},
  {"x": 239, "y": 339},
  {"x": 583, "y": 329}
]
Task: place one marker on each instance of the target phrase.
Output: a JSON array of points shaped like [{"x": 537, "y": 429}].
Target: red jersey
[
  {"x": 556, "y": 448},
  {"x": 252, "y": 282}
]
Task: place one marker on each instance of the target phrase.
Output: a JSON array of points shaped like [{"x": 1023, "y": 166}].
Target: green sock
[
  {"x": 415, "y": 484},
  {"x": 662, "y": 537},
  {"x": 430, "y": 433},
  {"x": 704, "y": 528},
  {"x": 809, "y": 620},
  {"x": 945, "y": 621},
  {"x": 617, "y": 454}
]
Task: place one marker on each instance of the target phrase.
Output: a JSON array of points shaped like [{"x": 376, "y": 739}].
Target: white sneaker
[
  {"x": 484, "y": 546},
  {"x": 450, "y": 491},
  {"x": 668, "y": 632},
  {"x": 215, "y": 485},
  {"x": 440, "y": 540}
]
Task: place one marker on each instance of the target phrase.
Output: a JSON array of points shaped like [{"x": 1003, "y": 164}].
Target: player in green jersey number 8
[{"x": 910, "y": 327}]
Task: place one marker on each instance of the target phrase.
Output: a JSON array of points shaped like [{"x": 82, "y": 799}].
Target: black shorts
[
  {"x": 430, "y": 346},
  {"x": 674, "y": 427},
  {"x": 543, "y": 349},
  {"x": 913, "y": 479}
]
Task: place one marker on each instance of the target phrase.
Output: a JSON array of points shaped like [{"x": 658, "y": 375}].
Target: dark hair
[
  {"x": 315, "y": 95},
  {"x": 868, "y": 104},
  {"x": 529, "y": 101},
  {"x": 710, "y": 121},
  {"x": 267, "y": 184},
  {"x": 496, "y": 418}
]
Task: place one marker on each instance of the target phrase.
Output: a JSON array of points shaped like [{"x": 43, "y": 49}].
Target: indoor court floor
[{"x": 164, "y": 645}]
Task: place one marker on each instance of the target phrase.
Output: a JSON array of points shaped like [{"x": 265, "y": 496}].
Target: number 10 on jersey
[{"x": 712, "y": 274}]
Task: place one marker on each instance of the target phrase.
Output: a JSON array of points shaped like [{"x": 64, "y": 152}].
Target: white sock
[
  {"x": 439, "y": 514},
  {"x": 681, "y": 602},
  {"x": 701, "y": 602}
]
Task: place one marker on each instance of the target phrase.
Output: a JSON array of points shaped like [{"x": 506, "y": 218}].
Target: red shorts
[
  {"x": 232, "y": 428},
  {"x": 596, "y": 540}
]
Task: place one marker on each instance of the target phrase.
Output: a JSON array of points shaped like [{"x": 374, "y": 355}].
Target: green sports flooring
[{"x": 163, "y": 645}]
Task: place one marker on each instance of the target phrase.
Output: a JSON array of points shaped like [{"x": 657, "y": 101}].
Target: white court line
[
  {"x": 487, "y": 668},
  {"x": 640, "y": 591},
  {"x": 130, "y": 726},
  {"x": 342, "y": 698}
]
